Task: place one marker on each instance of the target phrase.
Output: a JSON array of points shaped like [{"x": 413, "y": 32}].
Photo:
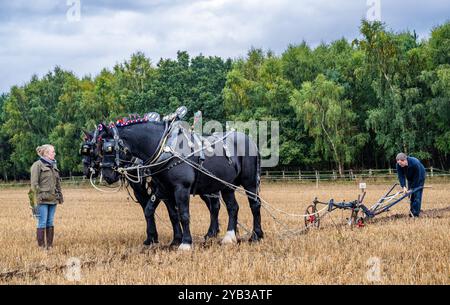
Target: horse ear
[
  {"x": 103, "y": 128},
  {"x": 87, "y": 135}
]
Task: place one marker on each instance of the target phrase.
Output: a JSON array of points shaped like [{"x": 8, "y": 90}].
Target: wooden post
[
  {"x": 334, "y": 175},
  {"x": 299, "y": 175},
  {"x": 283, "y": 175},
  {"x": 431, "y": 169},
  {"x": 351, "y": 174},
  {"x": 317, "y": 179}
]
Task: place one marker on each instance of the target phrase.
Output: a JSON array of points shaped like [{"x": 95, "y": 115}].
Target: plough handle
[
  {"x": 360, "y": 200},
  {"x": 407, "y": 194},
  {"x": 388, "y": 193}
]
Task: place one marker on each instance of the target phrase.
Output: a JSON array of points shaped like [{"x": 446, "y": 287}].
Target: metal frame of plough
[{"x": 357, "y": 207}]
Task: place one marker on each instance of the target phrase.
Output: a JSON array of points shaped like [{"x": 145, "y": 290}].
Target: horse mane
[{"x": 132, "y": 119}]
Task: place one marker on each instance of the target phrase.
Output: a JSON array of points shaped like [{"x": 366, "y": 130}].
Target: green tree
[
  {"x": 134, "y": 86},
  {"x": 99, "y": 100},
  {"x": 393, "y": 63},
  {"x": 439, "y": 45},
  {"x": 256, "y": 89},
  {"x": 208, "y": 79},
  {"x": 299, "y": 64},
  {"x": 196, "y": 83},
  {"x": 436, "y": 77},
  {"x": 174, "y": 83},
  {"x": 329, "y": 119},
  {"x": 29, "y": 116},
  {"x": 66, "y": 134},
  {"x": 5, "y": 147},
  {"x": 438, "y": 106},
  {"x": 397, "y": 86}
]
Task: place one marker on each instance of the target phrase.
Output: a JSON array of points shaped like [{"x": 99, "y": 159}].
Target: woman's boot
[
  {"x": 40, "y": 236},
  {"x": 49, "y": 232}
]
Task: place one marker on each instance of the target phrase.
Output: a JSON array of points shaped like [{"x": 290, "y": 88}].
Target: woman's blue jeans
[{"x": 46, "y": 213}]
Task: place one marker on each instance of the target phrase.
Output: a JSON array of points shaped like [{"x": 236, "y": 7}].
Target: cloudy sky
[{"x": 85, "y": 36}]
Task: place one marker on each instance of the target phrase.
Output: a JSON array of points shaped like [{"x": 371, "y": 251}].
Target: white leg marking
[
  {"x": 230, "y": 238},
  {"x": 185, "y": 247}
]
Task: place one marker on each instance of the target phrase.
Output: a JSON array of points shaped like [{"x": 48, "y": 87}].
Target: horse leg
[
  {"x": 149, "y": 212},
  {"x": 141, "y": 193},
  {"x": 213, "y": 204},
  {"x": 255, "y": 206},
  {"x": 174, "y": 219},
  {"x": 182, "y": 200},
  {"x": 233, "y": 209}
]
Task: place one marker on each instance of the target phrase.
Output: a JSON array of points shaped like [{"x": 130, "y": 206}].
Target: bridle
[
  {"x": 114, "y": 147},
  {"x": 88, "y": 151}
]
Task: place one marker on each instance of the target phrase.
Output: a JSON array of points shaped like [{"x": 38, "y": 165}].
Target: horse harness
[{"x": 167, "y": 145}]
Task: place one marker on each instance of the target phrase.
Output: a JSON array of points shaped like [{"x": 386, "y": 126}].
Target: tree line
[{"x": 339, "y": 105}]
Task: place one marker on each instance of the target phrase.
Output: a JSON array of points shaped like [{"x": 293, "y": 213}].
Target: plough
[{"x": 359, "y": 212}]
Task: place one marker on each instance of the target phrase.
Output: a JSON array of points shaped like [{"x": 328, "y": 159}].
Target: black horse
[
  {"x": 92, "y": 153},
  {"x": 176, "y": 179}
]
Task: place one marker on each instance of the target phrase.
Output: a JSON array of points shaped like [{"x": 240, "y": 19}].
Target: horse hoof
[
  {"x": 255, "y": 239},
  {"x": 229, "y": 238},
  {"x": 185, "y": 247},
  {"x": 149, "y": 242},
  {"x": 175, "y": 244},
  {"x": 209, "y": 237}
]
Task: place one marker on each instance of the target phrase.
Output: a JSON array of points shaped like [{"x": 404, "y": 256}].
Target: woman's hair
[{"x": 41, "y": 150}]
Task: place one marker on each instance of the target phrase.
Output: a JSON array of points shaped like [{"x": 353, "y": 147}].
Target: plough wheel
[
  {"x": 357, "y": 221},
  {"x": 360, "y": 222},
  {"x": 312, "y": 220}
]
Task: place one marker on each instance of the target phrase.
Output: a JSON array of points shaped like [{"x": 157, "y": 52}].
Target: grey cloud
[
  {"x": 36, "y": 36},
  {"x": 421, "y": 16}
]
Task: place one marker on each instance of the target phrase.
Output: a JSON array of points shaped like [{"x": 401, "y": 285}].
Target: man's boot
[
  {"x": 40, "y": 236},
  {"x": 49, "y": 232}
]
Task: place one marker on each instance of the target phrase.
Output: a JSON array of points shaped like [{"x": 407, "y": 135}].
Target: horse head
[
  {"x": 121, "y": 143},
  {"x": 89, "y": 151}
]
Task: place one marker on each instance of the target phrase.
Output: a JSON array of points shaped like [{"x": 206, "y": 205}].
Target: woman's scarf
[{"x": 52, "y": 163}]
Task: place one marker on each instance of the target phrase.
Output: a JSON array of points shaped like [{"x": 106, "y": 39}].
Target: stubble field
[{"x": 98, "y": 240}]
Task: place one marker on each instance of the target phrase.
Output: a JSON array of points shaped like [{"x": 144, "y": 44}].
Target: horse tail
[{"x": 250, "y": 176}]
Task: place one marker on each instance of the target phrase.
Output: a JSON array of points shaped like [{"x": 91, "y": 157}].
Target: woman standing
[{"x": 46, "y": 190}]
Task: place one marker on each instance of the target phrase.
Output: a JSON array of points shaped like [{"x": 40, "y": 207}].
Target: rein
[
  {"x": 124, "y": 170},
  {"x": 161, "y": 143}
]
